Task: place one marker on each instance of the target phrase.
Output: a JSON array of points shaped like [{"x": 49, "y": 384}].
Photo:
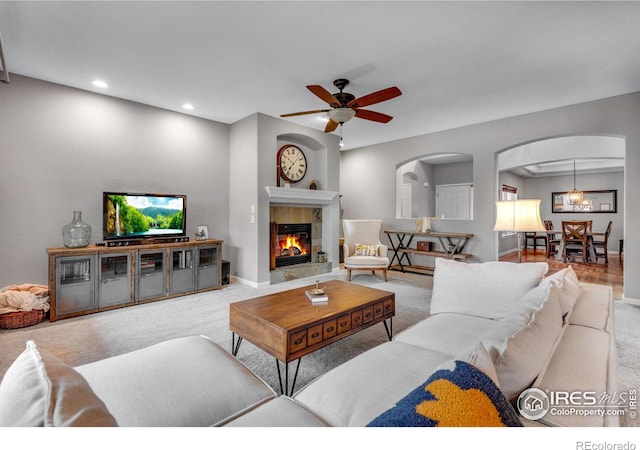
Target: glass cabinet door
[
  {"x": 114, "y": 285},
  {"x": 208, "y": 267},
  {"x": 182, "y": 273},
  {"x": 151, "y": 274},
  {"x": 75, "y": 284}
]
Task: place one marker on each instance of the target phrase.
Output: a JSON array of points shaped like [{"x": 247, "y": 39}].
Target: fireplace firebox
[{"x": 293, "y": 244}]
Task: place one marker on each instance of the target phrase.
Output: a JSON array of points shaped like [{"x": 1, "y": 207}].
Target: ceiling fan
[{"x": 345, "y": 106}]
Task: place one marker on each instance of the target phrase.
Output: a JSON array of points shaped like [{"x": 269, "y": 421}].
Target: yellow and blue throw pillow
[{"x": 460, "y": 396}]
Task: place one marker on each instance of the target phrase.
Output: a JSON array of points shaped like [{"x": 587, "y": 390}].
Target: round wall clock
[{"x": 292, "y": 162}]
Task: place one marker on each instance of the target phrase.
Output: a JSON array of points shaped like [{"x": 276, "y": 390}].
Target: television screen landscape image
[{"x": 143, "y": 216}]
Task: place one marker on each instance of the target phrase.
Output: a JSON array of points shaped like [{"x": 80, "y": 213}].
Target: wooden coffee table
[{"x": 288, "y": 326}]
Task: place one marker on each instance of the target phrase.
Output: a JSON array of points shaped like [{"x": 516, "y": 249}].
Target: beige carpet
[{"x": 88, "y": 338}]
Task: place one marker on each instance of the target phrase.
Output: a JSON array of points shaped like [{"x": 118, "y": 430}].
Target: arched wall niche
[
  {"x": 417, "y": 178},
  {"x": 316, "y": 154}
]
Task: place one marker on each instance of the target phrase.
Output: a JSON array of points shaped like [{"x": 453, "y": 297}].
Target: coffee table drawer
[
  {"x": 298, "y": 341},
  {"x": 330, "y": 328},
  {"x": 314, "y": 335},
  {"x": 378, "y": 310},
  {"x": 344, "y": 323},
  {"x": 388, "y": 307},
  {"x": 367, "y": 314},
  {"x": 356, "y": 318}
]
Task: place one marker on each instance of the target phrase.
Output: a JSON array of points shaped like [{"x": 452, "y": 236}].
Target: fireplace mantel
[{"x": 296, "y": 195}]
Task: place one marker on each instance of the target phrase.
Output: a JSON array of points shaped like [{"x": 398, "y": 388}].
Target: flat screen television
[{"x": 143, "y": 216}]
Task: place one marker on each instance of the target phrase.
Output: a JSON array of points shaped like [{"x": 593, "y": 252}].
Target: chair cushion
[
  {"x": 40, "y": 390},
  {"x": 366, "y": 261},
  {"x": 457, "y": 394},
  {"x": 488, "y": 289}
]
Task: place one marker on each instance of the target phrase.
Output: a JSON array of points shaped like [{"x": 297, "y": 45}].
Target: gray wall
[
  {"x": 60, "y": 148},
  {"x": 365, "y": 196}
]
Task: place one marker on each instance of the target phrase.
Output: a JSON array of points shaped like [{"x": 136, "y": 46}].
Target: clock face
[{"x": 293, "y": 164}]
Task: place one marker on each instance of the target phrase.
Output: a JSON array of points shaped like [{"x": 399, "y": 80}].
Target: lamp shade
[{"x": 518, "y": 215}]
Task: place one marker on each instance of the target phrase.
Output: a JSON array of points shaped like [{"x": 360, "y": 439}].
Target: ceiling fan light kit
[
  {"x": 341, "y": 115},
  {"x": 345, "y": 106}
]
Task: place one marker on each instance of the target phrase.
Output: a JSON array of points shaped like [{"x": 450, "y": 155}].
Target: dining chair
[
  {"x": 535, "y": 237},
  {"x": 575, "y": 240},
  {"x": 601, "y": 246},
  {"x": 553, "y": 239}
]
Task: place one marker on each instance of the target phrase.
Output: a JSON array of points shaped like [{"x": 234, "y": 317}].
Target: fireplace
[{"x": 292, "y": 244}]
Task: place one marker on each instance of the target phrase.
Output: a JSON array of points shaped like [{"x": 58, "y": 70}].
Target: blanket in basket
[{"x": 24, "y": 297}]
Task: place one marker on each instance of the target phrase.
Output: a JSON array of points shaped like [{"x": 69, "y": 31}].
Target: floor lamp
[{"x": 520, "y": 216}]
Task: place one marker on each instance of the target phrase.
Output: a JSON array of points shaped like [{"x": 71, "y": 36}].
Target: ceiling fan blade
[
  {"x": 373, "y": 115},
  {"x": 324, "y": 95},
  {"x": 375, "y": 97},
  {"x": 331, "y": 126},
  {"x": 315, "y": 111}
]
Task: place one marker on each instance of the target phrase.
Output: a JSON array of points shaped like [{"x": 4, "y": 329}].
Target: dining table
[{"x": 590, "y": 248}]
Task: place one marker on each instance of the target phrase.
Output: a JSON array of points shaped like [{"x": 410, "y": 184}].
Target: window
[{"x": 508, "y": 193}]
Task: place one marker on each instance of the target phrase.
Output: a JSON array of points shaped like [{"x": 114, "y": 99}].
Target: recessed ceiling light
[
  {"x": 188, "y": 106},
  {"x": 99, "y": 83}
]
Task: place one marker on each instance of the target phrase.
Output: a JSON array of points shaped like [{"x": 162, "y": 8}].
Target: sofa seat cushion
[
  {"x": 39, "y": 389},
  {"x": 593, "y": 308},
  {"x": 278, "y": 412},
  {"x": 435, "y": 333},
  {"x": 488, "y": 289},
  {"x": 579, "y": 364},
  {"x": 189, "y": 381},
  {"x": 359, "y": 390},
  {"x": 457, "y": 394}
]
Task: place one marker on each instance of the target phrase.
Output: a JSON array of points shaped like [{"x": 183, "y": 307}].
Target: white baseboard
[
  {"x": 631, "y": 301},
  {"x": 249, "y": 283}
]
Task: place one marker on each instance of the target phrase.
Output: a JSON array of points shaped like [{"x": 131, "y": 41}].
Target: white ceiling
[{"x": 457, "y": 63}]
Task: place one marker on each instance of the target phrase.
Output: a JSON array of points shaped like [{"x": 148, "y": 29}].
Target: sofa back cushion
[
  {"x": 570, "y": 287},
  {"x": 524, "y": 355},
  {"x": 490, "y": 289}
]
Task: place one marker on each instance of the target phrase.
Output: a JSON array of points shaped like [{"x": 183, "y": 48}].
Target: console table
[{"x": 452, "y": 245}]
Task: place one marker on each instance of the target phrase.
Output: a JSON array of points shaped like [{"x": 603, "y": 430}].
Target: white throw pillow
[
  {"x": 523, "y": 356},
  {"x": 39, "y": 390},
  {"x": 489, "y": 289},
  {"x": 570, "y": 287}
]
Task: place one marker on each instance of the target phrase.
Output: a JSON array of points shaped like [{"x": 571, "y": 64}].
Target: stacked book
[{"x": 317, "y": 296}]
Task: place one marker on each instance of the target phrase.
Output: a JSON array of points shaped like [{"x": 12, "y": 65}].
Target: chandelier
[{"x": 574, "y": 195}]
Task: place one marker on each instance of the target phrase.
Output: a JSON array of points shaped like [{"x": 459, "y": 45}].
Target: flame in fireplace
[{"x": 290, "y": 246}]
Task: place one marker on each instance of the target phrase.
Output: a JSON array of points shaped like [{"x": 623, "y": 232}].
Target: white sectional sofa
[{"x": 518, "y": 329}]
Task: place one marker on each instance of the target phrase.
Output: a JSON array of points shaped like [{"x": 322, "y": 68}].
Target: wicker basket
[{"x": 20, "y": 319}]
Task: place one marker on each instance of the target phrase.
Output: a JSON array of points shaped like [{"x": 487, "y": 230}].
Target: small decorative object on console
[
  {"x": 203, "y": 233},
  {"x": 76, "y": 234}
]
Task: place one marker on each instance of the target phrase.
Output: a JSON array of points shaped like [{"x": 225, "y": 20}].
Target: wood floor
[{"x": 609, "y": 274}]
